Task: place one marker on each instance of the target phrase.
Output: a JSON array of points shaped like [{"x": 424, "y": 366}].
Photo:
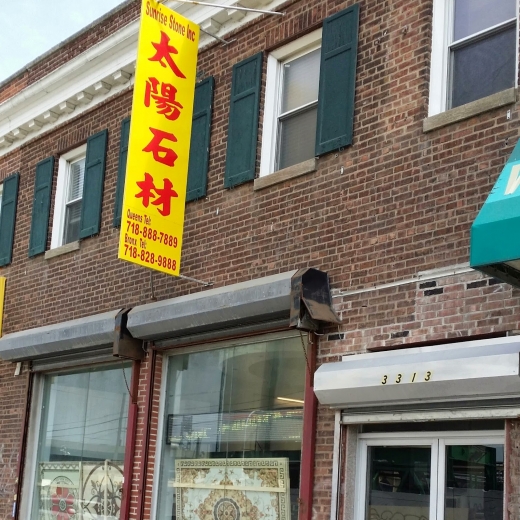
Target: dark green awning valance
[{"x": 495, "y": 233}]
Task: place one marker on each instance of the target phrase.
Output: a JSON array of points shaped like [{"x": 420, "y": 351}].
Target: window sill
[
  {"x": 286, "y": 174},
  {"x": 62, "y": 250},
  {"x": 506, "y": 97}
]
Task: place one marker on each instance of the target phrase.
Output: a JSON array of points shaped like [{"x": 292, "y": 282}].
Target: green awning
[{"x": 495, "y": 233}]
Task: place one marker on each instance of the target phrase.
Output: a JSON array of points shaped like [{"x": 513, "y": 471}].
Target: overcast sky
[{"x": 29, "y": 28}]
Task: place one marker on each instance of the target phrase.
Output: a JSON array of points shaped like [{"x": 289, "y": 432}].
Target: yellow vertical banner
[{"x": 160, "y": 130}]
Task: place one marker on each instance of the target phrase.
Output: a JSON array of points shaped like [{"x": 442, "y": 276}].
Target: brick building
[{"x": 342, "y": 152}]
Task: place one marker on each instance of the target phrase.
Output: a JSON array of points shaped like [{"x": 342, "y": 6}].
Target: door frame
[{"x": 437, "y": 442}]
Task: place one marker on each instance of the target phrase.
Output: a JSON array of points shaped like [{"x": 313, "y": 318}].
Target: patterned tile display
[
  {"x": 232, "y": 489},
  {"x": 80, "y": 490},
  {"x": 102, "y": 486},
  {"x": 60, "y": 496}
]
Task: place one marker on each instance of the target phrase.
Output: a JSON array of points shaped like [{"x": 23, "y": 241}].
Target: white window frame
[
  {"x": 442, "y": 30},
  {"x": 60, "y": 200},
  {"x": 25, "y": 505},
  {"x": 437, "y": 441},
  {"x": 273, "y": 94}
]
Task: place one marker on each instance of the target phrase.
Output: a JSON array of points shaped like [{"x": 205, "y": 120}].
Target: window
[
  {"x": 474, "y": 51},
  {"x": 232, "y": 424},
  {"x": 290, "y": 116},
  {"x": 309, "y": 103},
  {"x": 78, "y": 468},
  {"x": 443, "y": 476},
  {"x": 69, "y": 193}
]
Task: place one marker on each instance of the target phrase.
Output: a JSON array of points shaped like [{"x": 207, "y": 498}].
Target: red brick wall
[{"x": 398, "y": 201}]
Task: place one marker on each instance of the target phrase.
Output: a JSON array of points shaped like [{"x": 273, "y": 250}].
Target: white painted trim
[
  {"x": 300, "y": 46},
  {"x": 31, "y": 456},
  {"x": 273, "y": 94},
  {"x": 397, "y": 438},
  {"x": 439, "y": 63},
  {"x": 442, "y": 39},
  {"x": 271, "y": 108},
  {"x": 353, "y": 417},
  {"x": 58, "y": 219},
  {"x": 336, "y": 452}
]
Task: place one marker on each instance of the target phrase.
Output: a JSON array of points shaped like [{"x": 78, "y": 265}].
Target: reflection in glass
[
  {"x": 81, "y": 445},
  {"x": 297, "y": 137},
  {"x": 73, "y": 203},
  {"x": 483, "y": 67},
  {"x": 472, "y": 16},
  {"x": 398, "y": 482},
  {"x": 301, "y": 81},
  {"x": 474, "y": 482},
  {"x": 225, "y": 406},
  {"x": 296, "y": 133}
]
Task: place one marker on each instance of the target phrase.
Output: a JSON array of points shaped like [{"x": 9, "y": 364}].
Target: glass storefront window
[
  {"x": 81, "y": 445},
  {"x": 233, "y": 432}
]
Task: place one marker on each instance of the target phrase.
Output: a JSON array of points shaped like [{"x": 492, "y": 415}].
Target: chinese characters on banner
[{"x": 160, "y": 130}]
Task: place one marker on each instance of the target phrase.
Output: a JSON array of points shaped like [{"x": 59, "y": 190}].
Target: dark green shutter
[
  {"x": 243, "y": 121},
  {"x": 200, "y": 134},
  {"x": 93, "y": 184},
  {"x": 121, "y": 170},
  {"x": 41, "y": 206},
  {"x": 8, "y": 217},
  {"x": 337, "y": 80}
]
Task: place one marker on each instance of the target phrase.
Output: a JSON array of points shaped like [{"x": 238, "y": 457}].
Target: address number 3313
[{"x": 414, "y": 377}]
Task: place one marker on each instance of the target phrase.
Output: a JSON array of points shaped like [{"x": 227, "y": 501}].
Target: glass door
[
  {"x": 399, "y": 480},
  {"x": 430, "y": 476},
  {"x": 396, "y": 478},
  {"x": 473, "y": 487}
]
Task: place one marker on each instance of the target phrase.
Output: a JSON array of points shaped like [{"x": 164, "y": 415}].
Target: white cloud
[{"x": 29, "y": 28}]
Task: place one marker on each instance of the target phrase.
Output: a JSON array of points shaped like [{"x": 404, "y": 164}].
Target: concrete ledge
[
  {"x": 500, "y": 99},
  {"x": 62, "y": 250},
  {"x": 286, "y": 174}
]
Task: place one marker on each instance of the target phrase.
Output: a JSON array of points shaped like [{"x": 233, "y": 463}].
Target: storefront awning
[
  {"x": 494, "y": 245},
  {"x": 68, "y": 337},
  {"x": 413, "y": 378},
  {"x": 299, "y": 299}
]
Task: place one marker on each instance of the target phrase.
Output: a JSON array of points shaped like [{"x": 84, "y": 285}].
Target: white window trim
[
  {"x": 437, "y": 441},
  {"x": 25, "y": 506},
  {"x": 442, "y": 23},
  {"x": 58, "y": 221},
  {"x": 273, "y": 96}
]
